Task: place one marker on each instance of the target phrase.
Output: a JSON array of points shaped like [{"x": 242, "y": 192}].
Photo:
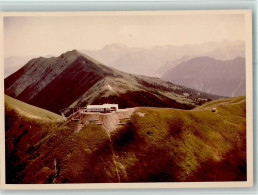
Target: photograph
[{"x": 127, "y": 98}]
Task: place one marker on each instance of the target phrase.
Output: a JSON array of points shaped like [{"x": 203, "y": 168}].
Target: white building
[
  {"x": 102, "y": 108},
  {"x": 112, "y": 107}
]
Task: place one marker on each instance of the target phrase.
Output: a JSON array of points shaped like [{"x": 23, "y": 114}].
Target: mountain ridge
[
  {"x": 59, "y": 82},
  {"x": 148, "y": 60},
  {"x": 221, "y": 77}
]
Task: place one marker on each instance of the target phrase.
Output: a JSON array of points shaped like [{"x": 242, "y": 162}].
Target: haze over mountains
[
  {"x": 225, "y": 78},
  {"x": 75, "y": 79},
  {"x": 13, "y": 63},
  {"x": 170, "y": 64},
  {"x": 148, "y": 61},
  {"x": 160, "y": 60}
]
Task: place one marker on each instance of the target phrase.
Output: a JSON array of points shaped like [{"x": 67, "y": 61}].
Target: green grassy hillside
[
  {"x": 156, "y": 145},
  {"x": 25, "y": 126},
  {"x": 177, "y": 145},
  {"x": 28, "y": 110}
]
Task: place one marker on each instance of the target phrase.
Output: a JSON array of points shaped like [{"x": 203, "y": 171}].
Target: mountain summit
[{"x": 74, "y": 79}]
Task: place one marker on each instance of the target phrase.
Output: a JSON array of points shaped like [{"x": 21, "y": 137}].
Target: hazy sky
[{"x": 40, "y": 36}]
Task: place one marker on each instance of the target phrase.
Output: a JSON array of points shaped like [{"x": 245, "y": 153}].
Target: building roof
[
  {"x": 102, "y": 106},
  {"x": 97, "y": 106}
]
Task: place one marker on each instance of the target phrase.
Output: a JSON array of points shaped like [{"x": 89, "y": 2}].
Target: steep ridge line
[{"x": 41, "y": 83}]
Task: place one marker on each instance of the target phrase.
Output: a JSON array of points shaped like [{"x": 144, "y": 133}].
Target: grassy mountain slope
[
  {"x": 75, "y": 79},
  {"x": 196, "y": 145},
  {"x": 156, "y": 144},
  {"x": 25, "y": 126},
  {"x": 29, "y": 111}
]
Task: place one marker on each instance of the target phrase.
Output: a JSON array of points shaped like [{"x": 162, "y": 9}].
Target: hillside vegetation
[
  {"x": 25, "y": 126},
  {"x": 155, "y": 145},
  {"x": 179, "y": 145},
  {"x": 28, "y": 110}
]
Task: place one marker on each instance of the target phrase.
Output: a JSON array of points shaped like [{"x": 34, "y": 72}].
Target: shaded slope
[
  {"x": 75, "y": 79},
  {"x": 225, "y": 78},
  {"x": 142, "y": 91},
  {"x": 155, "y": 145},
  {"x": 37, "y": 147},
  {"x": 67, "y": 86},
  {"x": 25, "y": 127},
  {"x": 170, "y": 64},
  {"x": 37, "y": 74}
]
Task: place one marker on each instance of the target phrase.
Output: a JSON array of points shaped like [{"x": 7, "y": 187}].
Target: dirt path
[
  {"x": 109, "y": 121},
  {"x": 113, "y": 156},
  {"x": 218, "y": 104}
]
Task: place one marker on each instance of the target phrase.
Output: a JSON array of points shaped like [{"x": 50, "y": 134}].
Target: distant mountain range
[
  {"x": 225, "y": 78},
  {"x": 74, "y": 79},
  {"x": 159, "y": 62},
  {"x": 148, "y": 61},
  {"x": 170, "y": 64}
]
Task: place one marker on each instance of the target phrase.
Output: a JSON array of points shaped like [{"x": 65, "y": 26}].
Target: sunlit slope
[
  {"x": 155, "y": 145},
  {"x": 176, "y": 145},
  {"x": 28, "y": 110}
]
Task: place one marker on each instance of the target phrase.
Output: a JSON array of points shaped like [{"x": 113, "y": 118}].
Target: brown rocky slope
[{"x": 75, "y": 79}]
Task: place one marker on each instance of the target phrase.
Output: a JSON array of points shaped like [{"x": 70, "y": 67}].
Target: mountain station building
[{"x": 102, "y": 108}]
